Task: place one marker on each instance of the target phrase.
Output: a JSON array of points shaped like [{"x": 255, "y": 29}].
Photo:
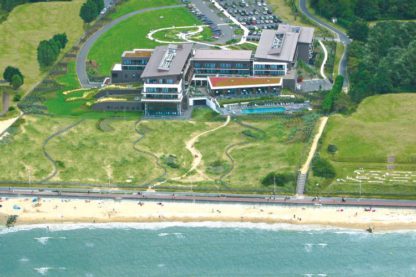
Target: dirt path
[{"x": 305, "y": 167}]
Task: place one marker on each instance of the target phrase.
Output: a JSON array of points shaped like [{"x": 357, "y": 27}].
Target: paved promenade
[{"x": 206, "y": 197}]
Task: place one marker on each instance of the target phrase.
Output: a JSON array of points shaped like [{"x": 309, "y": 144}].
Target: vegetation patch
[{"x": 366, "y": 147}]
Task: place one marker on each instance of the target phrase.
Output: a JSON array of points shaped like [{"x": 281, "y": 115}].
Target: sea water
[{"x": 203, "y": 249}]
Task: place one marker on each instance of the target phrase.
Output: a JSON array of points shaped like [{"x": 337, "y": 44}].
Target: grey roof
[
  {"x": 305, "y": 33},
  {"x": 222, "y": 55},
  {"x": 284, "y": 53},
  {"x": 167, "y": 60},
  {"x": 280, "y": 44}
]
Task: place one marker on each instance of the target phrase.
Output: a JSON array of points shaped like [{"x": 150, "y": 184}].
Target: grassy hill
[
  {"x": 381, "y": 134},
  {"x": 132, "y": 33},
  {"x": 27, "y": 25}
]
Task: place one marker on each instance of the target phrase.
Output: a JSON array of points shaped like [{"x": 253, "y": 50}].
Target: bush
[
  {"x": 280, "y": 179},
  {"x": 17, "y": 81},
  {"x": 332, "y": 148},
  {"x": 12, "y": 109},
  {"x": 11, "y": 220},
  {"x": 171, "y": 161},
  {"x": 323, "y": 168},
  {"x": 9, "y": 72},
  {"x": 17, "y": 98}
]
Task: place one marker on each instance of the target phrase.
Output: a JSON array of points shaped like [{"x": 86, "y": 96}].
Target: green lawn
[
  {"x": 27, "y": 25},
  {"x": 129, "y": 6},
  {"x": 382, "y": 127},
  {"x": 131, "y": 34}
]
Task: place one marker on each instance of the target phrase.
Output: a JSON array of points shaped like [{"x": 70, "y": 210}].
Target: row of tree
[
  {"x": 91, "y": 9},
  {"x": 348, "y": 11},
  {"x": 328, "y": 104},
  {"x": 385, "y": 63},
  {"x": 48, "y": 50},
  {"x": 13, "y": 76}
]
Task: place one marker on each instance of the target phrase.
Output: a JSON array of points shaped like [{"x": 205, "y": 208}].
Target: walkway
[
  {"x": 343, "y": 38},
  {"x": 85, "y": 48},
  {"x": 305, "y": 168},
  {"x": 190, "y": 146},
  {"x": 324, "y": 61}
]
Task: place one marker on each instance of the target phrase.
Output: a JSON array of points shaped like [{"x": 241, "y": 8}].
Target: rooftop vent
[
  {"x": 168, "y": 57},
  {"x": 277, "y": 43}
]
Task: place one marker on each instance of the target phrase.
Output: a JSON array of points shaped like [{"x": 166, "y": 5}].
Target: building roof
[
  {"x": 137, "y": 53},
  {"x": 167, "y": 60},
  {"x": 117, "y": 67},
  {"x": 281, "y": 44},
  {"x": 305, "y": 33},
  {"x": 243, "y": 82},
  {"x": 222, "y": 55}
]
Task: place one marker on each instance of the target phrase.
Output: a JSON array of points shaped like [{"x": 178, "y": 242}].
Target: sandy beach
[{"x": 56, "y": 210}]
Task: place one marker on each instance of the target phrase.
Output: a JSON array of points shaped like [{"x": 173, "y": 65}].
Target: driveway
[
  {"x": 344, "y": 39},
  {"x": 85, "y": 48}
]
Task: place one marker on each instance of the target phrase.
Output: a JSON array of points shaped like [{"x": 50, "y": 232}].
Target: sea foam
[{"x": 205, "y": 224}]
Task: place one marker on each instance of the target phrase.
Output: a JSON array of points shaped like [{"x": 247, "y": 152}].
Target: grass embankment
[
  {"x": 133, "y": 5},
  {"x": 100, "y": 152},
  {"x": 62, "y": 96},
  {"x": 132, "y": 33},
  {"x": 379, "y": 135},
  {"x": 243, "y": 153},
  {"x": 27, "y": 25}
]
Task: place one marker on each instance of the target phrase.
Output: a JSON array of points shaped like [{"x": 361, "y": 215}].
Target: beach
[{"x": 57, "y": 210}]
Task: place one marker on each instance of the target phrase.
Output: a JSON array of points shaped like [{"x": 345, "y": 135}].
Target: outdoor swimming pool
[{"x": 263, "y": 110}]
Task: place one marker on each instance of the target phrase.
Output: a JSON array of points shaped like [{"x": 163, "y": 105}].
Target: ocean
[{"x": 203, "y": 249}]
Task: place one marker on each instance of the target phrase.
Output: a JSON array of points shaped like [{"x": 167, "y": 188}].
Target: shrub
[
  {"x": 323, "y": 168},
  {"x": 332, "y": 148},
  {"x": 17, "y": 81},
  {"x": 280, "y": 179},
  {"x": 17, "y": 98},
  {"x": 9, "y": 72},
  {"x": 11, "y": 220}
]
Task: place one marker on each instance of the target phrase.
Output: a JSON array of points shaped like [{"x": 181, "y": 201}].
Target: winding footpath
[
  {"x": 197, "y": 156},
  {"x": 85, "y": 48},
  {"x": 48, "y": 156},
  {"x": 342, "y": 37},
  {"x": 324, "y": 61}
]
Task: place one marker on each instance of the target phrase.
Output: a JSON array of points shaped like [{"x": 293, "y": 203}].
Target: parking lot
[{"x": 256, "y": 15}]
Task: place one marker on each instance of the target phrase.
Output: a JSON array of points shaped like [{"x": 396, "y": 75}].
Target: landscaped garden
[
  {"x": 373, "y": 151},
  {"x": 132, "y": 33}
]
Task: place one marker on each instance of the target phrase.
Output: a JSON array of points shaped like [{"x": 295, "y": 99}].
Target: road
[
  {"x": 343, "y": 38},
  {"x": 205, "y": 197},
  {"x": 85, "y": 48}
]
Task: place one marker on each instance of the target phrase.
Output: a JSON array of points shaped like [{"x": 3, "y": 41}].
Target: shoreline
[{"x": 57, "y": 211}]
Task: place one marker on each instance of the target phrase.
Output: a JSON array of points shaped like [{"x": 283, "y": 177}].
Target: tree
[
  {"x": 89, "y": 11},
  {"x": 323, "y": 168},
  {"x": 10, "y": 71},
  {"x": 47, "y": 53},
  {"x": 358, "y": 30},
  {"x": 61, "y": 40},
  {"x": 100, "y": 5},
  {"x": 17, "y": 81}
]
